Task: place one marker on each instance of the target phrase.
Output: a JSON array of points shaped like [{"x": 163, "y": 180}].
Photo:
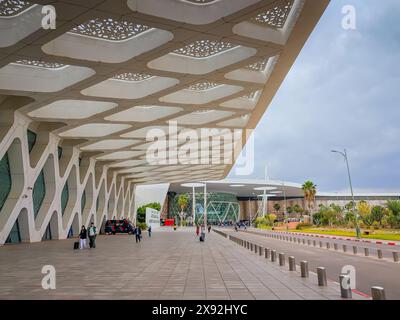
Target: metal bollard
[
  {"x": 344, "y": 248},
  {"x": 328, "y": 245},
  {"x": 292, "y": 263},
  {"x": 260, "y": 250},
  {"x": 380, "y": 254},
  {"x": 335, "y": 245},
  {"x": 304, "y": 241},
  {"x": 255, "y": 248},
  {"x": 309, "y": 242},
  {"x": 273, "y": 255},
  {"x": 378, "y": 293},
  {"x": 321, "y": 273},
  {"x": 304, "y": 269},
  {"x": 320, "y": 244},
  {"x": 366, "y": 252},
  {"x": 395, "y": 256},
  {"x": 354, "y": 249},
  {"x": 345, "y": 289},
  {"x": 267, "y": 253},
  {"x": 314, "y": 243},
  {"x": 281, "y": 259}
]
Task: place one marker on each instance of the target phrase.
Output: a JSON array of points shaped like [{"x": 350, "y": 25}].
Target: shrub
[
  {"x": 303, "y": 225},
  {"x": 142, "y": 225}
]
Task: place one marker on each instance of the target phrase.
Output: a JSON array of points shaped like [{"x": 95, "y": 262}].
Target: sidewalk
[{"x": 170, "y": 265}]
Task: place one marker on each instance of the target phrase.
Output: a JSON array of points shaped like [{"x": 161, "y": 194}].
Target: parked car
[{"x": 119, "y": 226}]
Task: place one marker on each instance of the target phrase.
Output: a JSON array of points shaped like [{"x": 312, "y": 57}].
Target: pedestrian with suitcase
[{"x": 82, "y": 238}]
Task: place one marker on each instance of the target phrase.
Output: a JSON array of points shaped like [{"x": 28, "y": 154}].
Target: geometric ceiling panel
[
  {"x": 132, "y": 86},
  {"x": 109, "y": 29},
  {"x": 128, "y": 163},
  {"x": 110, "y": 144},
  {"x": 239, "y": 122},
  {"x": 247, "y": 102},
  {"x": 18, "y": 19},
  {"x": 24, "y": 75},
  {"x": 111, "y": 74},
  {"x": 72, "y": 109},
  {"x": 143, "y": 113},
  {"x": 273, "y": 24},
  {"x": 202, "y": 117},
  {"x": 107, "y": 40},
  {"x": 201, "y": 93},
  {"x": 94, "y": 130},
  {"x": 258, "y": 72},
  {"x": 142, "y": 132},
  {"x": 196, "y": 12},
  {"x": 120, "y": 155},
  {"x": 202, "y": 56},
  {"x": 275, "y": 16}
]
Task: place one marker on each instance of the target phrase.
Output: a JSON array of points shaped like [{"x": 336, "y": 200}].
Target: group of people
[
  {"x": 91, "y": 232},
  {"x": 239, "y": 225}
]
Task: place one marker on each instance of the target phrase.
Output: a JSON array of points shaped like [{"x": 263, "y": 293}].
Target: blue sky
[{"x": 342, "y": 92}]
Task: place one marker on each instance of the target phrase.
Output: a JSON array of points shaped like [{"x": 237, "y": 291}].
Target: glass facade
[
  {"x": 38, "y": 194},
  {"x": 64, "y": 198},
  {"x": 14, "y": 236},
  {"x": 47, "y": 234},
  {"x": 31, "y": 139},
  {"x": 5, "y": 178},
  {"x": 83, "y": 200},
  {"x": 221, "y": 207}
]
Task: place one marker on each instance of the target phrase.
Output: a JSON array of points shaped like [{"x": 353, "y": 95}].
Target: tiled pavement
[{"x": 170, "y": 265}]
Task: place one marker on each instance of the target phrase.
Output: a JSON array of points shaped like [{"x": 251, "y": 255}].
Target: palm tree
[
  {"x": 183, "y": 201},
  {"x": 309, "y": 190}
]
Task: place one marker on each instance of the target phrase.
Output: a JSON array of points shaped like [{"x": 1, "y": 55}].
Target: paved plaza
[{"x": 170, "y": 265}]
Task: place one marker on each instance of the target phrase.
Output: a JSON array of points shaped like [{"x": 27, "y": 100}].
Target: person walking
[
  {"x": 202, "y": 233},
  {"x": 197, "y": 230},
  {"x": 209, "y": 228},
  {"x": 138, "y": 234},
  {"x": 149, "y": 231},
  {"x": 82, "y": 238},
  {"x": 92, "y": 231}
]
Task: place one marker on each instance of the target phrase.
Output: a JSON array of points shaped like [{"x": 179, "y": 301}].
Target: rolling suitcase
[{"x": 76, "y": 245}]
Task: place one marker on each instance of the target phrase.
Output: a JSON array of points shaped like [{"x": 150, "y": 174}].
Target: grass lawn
[{"x": 376, "y": 234}]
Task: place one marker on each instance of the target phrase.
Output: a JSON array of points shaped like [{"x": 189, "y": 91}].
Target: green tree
[
  {"x": 377, "y": 214},
  {"x": 298, "y": 209},
  {"x": 393, "y": 218},
  {"x": 277, "y": 207},
  {"x": 309, "y": 190}
]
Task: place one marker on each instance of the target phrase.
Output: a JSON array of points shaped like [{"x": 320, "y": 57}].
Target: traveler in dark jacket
[
  {"x": 138, "y": 234},
  {"x": 82, "y": 238}
]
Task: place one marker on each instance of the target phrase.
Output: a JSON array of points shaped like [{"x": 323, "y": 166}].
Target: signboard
[{"x": 152, "y": 218}]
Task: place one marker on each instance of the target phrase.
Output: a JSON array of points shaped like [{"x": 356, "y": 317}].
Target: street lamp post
[{"x": 344, "y": 154}]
